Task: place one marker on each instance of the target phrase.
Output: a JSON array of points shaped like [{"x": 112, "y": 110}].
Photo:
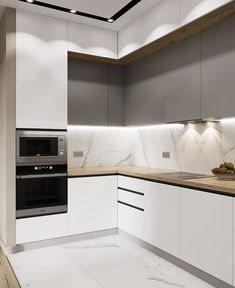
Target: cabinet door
[
  {"x": 182, "y": 81},
  {"x": 116, "y": 95},
  {"x": 41, "y": 72},
  {"x": 206, "y": 232},
  {"x": 194, "y": 9},
  {"x": 88, "y": 93},
  {"x": 144, "y": 91},
  {"x": 40, "y": 228},
  {"x": 218, "y": 70},
  {"x": 92, "y": 204},
  {"x": 161, "y": 216},
  {"x": 87, "y": 39}
]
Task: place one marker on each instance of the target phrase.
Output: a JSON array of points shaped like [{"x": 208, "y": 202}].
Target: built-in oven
[
  {"x": 40, "y": 147},
  {"x": 41, "y": 190}
]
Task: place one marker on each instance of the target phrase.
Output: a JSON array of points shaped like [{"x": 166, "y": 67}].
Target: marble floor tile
[{"x": 108, "y": 262}]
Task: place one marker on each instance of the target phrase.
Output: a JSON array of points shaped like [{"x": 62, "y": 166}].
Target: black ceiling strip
[
  {"x": 121, "y": 12},
  {"x": 125, "y": 9},
  {"x": 63, "y": 9}
]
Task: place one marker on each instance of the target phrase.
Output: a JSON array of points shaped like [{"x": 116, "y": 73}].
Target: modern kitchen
[{"x": 117, "y": 144}]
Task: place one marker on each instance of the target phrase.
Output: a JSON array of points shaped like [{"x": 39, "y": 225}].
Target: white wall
[
  {"x": 7, "y": 127},
  {"x": 161, "y": 20}
]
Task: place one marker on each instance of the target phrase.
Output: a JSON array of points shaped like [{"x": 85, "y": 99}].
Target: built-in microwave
[{"x": 41, "y": 147}]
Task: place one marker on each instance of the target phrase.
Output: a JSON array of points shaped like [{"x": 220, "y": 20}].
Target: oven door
[{"x": 41, "y": 195}]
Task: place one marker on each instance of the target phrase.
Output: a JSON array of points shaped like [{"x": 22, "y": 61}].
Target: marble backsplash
[{"x": 193, "y": 147}]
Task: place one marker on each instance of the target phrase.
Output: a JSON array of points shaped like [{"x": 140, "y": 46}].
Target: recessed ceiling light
[
  {"x": 30, "y": 1},
  {"x": 73, "y": 11},
  {"x": 110, "y": 20}
]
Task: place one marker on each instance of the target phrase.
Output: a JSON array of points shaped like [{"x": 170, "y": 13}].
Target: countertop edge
[{"x": 189, "y": 184}]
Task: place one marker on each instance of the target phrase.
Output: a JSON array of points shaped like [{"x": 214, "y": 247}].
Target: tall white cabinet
[
  {"x": 41, "y": 73},
  {"x": 206, "y": 232}
]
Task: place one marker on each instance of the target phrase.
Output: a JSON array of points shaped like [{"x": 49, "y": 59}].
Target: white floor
[{"x": 109, "y": 262}]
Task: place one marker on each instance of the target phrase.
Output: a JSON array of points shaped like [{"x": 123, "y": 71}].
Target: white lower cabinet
[
  {"x": 40, "y": 228},
  {"x": 92, "y": 204},
  {"x": 206, "y": 232},
  {"x": 161, "y": 216}
]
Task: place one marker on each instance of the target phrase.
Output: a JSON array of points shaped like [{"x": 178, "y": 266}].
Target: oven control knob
[
  {"x": 50, "y": 167},
  {"x": 35, "y": 168}
]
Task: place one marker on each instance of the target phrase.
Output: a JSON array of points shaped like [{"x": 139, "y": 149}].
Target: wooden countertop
[{"x": 210, "y": 184}]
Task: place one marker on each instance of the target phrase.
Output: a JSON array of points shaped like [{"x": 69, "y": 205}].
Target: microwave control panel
[{"x": 61, "y": 146}]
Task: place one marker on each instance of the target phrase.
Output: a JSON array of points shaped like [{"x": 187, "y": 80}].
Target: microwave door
[{"x": 38, "y": 146}]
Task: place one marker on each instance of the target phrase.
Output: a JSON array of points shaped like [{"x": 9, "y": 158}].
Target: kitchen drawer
[
  {"x": 131, "y": 198},
  {"x": 41, "y": 228},
  {"x": 131, "y": 183},
  {"x": 131, "y": 220}
]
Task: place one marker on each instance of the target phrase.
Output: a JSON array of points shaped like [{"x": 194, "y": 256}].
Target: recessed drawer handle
[{"x": 129, "y": 205}]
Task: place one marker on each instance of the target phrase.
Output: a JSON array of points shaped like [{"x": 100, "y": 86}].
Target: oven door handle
[{"x": 41, "y": 176}]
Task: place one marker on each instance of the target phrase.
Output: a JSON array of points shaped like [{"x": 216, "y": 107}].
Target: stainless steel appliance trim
[
  {"x": 41, "y": 176},
  {"x": 41, "y": 211}
]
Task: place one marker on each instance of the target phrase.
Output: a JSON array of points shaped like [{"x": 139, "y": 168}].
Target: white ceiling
[{"x": 104, "y": 8}]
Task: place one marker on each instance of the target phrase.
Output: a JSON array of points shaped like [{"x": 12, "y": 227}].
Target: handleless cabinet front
[
  {"x": 182, "y": 81},
  {"x": 88, "y": 93},
  {"x": 218, "y": 69},
  {"x": 206, "y": 232},
  {"x": 41, "y": 71},
  {"x": 144, "y": 91},
  {"x": 92, "y": 204}
]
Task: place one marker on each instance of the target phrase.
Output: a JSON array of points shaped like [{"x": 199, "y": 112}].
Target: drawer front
[
  {"x": 131, "y": 183},
  {"x": 131, "y": 220},
  {"x": 41, "y": 228},
  {"x": 131, "y": 198}
]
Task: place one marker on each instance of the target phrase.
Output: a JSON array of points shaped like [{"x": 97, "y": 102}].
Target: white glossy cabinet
[
  {"x": 161, "y": 217},
  {"x": 130, "y": 38},
  {"x": 92, "y": 204},
  {"x": 193, "y": 9},
  {"x": 161, "y": 20},
  {"x": 206, "y": 232},
  {"x": 41, "y": 73},
  {"x": 92, "y": 40},
  {"x": 40, "y": 228}
]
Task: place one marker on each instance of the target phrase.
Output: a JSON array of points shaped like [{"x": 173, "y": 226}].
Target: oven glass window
[
  {"x": 38, "y": 146},
  {"x": 41, "y": 192}
]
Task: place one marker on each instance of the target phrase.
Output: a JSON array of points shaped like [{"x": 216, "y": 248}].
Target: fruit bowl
[
  {"x": 225, "y": 171},
  {"x": 225, "y": 176}
]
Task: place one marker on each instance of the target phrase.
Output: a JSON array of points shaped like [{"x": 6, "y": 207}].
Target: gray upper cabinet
[
  {"x": 116, "y": 93},
  {"x": 95, "y": 93},
  {"x": 88, "y": 93},
  {"x": 218, "y": 70},
  {"x": 182, "y": 81},
  {"x": 144, "y": 91}
]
